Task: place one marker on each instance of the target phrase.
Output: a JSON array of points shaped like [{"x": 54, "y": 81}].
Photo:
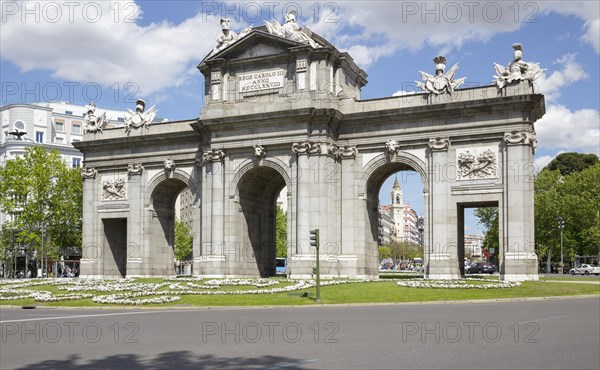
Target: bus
[{"x": 280, "y": 265}]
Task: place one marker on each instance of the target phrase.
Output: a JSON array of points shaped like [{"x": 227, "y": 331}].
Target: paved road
[{"x": 541, "y": 334}]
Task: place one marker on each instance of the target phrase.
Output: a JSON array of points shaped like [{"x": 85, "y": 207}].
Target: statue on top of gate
[
  {"x": 440, "y": 83},
  {"x": 93, "y": 122},
  {"x": 291, "y": 30},
  {"x": 140, "y": 117},
  {"x": 227, "y": 37},
  {"x": 517, "y": 70}
]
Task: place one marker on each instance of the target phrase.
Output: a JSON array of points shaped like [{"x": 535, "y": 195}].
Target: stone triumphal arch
[{"x": 283, "y": 110}]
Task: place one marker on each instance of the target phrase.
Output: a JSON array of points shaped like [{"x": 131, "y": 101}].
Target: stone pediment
[
  {"x": 263, "y": 61},
  {"x": 257, "y": 43}
]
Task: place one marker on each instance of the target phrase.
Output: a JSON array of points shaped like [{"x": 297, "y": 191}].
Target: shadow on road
[{"x": 172, "y": 360}]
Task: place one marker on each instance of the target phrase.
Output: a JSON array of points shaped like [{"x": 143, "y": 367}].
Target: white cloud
[
  {"x": 592, "y": 34},
  {"x": 563, "y": 129},
  {"x": 162, "y": 55},
  {"x": 571, "y": 71},
  {"x": 383, "y": 27},
  {"x": 402, "y": 92},
  {"x": 99, "y": 48},
  {"x": 396, "y": 25}
]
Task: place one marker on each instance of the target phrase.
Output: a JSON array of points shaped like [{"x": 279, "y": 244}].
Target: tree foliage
[
  {"x": 488, "y": 218},
  {"x": 576, "y": 198},
  {"x": 183, "y": 241},
  {"x": 404, "y": 250},
  {"x": 45, "y": 197},
  {"x": 568, "y": 163},
  {"x": 384, "y": 252},
  {"x": 281, "y": 232}
]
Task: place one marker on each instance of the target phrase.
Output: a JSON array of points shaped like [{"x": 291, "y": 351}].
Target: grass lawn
[
  {"x": 571, "y": 278},
  {"x": 374, "y": 292}
]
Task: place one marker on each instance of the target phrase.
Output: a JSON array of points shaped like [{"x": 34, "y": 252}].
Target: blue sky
[{"x": 113, "y": 52}]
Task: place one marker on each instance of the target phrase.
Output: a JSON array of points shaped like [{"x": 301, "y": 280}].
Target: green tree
[
  {"x": 183, "y": 241},
  {"x": 405, "y": 250},
  {"x": 575, "y": 197},
  {"x": 547, "y": 211},
  {"x": 281, "y": 233},
  {"x": 7, "y": 244},
  {"x": 568, "y": 163},
  {"x": 488, "y": 218},
  {"x": 384, "y": 252},
  {"x": 37, "y": 189}
]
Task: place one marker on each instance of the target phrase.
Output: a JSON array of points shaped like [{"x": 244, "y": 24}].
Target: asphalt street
[{"x": 532, "y": 334}]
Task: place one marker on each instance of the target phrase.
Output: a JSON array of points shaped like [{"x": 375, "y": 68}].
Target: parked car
[
  {"x": 481, "y": 267},
  {"x": 585, "y": 270}
]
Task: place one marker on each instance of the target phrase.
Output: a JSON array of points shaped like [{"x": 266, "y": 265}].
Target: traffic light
[
  {"x": 314, "y": 242},
  {"x": 314, "y": 238}
]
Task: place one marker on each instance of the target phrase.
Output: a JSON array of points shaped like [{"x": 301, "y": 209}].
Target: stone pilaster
[
  {"x": 520, "y": 261},
  {"x": 440, "y": 255},
  {"x": 137, "y": 250}
]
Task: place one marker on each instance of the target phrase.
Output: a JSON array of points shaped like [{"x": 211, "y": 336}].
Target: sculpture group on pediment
[
  {"x": 291, "y": 30},
  {"x": 517, "y": 70},
  {"x": 227, "y": 36},
  {"x": 139, "y": 118}
]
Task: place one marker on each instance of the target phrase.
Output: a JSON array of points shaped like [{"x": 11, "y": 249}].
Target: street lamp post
[
  {"x": 561, "y": 226},
  {"x": 43, "y": 250},
  {"x": 15, "y": 252}
]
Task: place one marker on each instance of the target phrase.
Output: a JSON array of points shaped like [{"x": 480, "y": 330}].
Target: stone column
[
  {"x": 213, "y": 211},
  {"x": 300, "y": 260},
  {"x": 520, "y": 261},
  {"x": 438, "y": 255}
]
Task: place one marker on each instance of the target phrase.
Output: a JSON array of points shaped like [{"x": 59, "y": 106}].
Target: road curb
[{"x": 333, "y": 305}]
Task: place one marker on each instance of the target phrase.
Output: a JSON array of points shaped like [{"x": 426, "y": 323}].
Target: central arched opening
[
  {"x": 396, "y": 215},
  {"x": 161, "y": 234},
  {"x": 258, "y": 190}
]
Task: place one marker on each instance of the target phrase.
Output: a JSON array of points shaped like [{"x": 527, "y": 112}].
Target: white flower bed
[
  {"x": 458, "y": 284},
  {"x": 137, "y": 293},
  {"x": 124, "y": 300}
]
